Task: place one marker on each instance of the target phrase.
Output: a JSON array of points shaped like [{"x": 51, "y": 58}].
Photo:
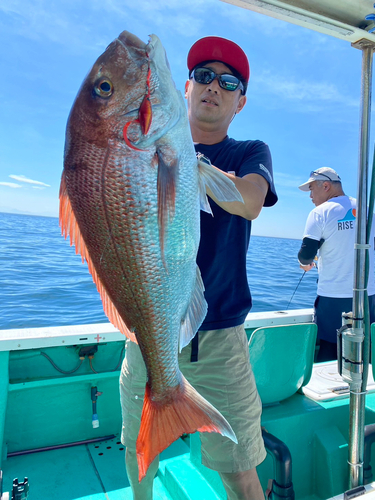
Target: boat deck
[
  {"x": 43, "y": 408},
  {"x": 94, "y": 471}
]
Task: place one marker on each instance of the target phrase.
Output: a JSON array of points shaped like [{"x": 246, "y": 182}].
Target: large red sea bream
[{"x": 130, "y": 198}]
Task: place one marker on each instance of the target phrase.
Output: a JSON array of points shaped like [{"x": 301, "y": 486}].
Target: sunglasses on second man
[
  {"x": 314, "y": 173},
  {"x": 226, "y": 81}
]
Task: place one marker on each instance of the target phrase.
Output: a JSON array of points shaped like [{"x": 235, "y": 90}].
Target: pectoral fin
[
  {"x": 166, "y": 185},
  {"x": 220, "y": 185}
]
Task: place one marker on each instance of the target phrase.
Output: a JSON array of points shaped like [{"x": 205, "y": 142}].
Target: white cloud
[
  {"x": 287, "y": 180},
  {"x": 10, "y": 184},
  {"x": 52, "y": 21},
  {"x": 302, "y": 90},
  {"x": 22, "y": 178}
]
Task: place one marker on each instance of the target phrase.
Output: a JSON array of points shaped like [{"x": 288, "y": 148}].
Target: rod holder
[
  {"x": 20, "y": 491},
  {"x": 350, "y": 352}
]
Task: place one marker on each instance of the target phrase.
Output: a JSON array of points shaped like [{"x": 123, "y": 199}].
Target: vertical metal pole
[{"x": 358, "y": 391}]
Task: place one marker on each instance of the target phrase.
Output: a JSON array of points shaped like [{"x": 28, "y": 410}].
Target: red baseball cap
[{"x": 215, "y": 48}]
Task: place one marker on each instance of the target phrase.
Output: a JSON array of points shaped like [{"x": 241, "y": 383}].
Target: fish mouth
[
  {"x": 151, "y": 50},
  {"x": 128, "y": 39}
]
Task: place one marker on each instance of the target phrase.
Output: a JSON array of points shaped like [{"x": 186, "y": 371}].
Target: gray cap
[{"x": 321, "y": 174}]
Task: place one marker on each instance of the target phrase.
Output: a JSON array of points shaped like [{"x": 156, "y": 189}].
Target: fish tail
[{"x": 163, "y": 423}]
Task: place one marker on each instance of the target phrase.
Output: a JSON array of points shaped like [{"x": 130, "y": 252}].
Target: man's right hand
[{"x": 308, "y": 267}]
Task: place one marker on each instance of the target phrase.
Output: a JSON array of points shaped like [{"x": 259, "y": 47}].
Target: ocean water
[{"x": 44, "y": 283}]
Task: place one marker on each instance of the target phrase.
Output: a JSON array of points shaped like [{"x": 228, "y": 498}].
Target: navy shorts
[{"x": 327, "y": 315}]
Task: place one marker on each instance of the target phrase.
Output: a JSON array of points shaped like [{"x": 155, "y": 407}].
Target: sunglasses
[
  {"x": 313, "y": 172},
  {"x": 226, "y": 80}
]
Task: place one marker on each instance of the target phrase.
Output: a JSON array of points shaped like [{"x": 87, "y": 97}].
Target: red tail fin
[{"x": 162, "y": 423}]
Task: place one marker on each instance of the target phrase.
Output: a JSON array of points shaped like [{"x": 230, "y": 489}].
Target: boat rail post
[{"x": 359, "y": 347}]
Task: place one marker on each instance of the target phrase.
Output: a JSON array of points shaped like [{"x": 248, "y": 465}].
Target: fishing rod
[
  {"x": 304, "y": 272},
  {"x": 314, "y": 262}
]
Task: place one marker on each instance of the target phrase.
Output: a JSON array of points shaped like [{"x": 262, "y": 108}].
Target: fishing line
[{"x": 304, "y": 272}]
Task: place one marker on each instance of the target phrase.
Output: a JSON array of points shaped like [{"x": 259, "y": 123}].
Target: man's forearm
[
  {"x": 253, "y": 189},
  {"x": 308, "y": 250}
]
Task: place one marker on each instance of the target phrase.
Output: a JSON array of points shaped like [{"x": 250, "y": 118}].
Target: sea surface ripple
[{"x": 44, "y": 283}]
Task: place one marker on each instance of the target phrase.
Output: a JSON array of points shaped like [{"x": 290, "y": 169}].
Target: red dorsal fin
[{"x": 69, "y": 227}]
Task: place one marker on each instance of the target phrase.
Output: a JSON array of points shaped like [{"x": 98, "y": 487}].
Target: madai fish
[{"x": 130, "y": 199}]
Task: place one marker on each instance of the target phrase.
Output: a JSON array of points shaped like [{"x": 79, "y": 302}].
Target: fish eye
[{"x": 103, "y": 87}]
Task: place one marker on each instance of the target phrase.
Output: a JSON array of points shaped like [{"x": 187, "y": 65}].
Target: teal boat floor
[
  {"x": 94, "y": 471},
  {"x": 316, "y": 434}
]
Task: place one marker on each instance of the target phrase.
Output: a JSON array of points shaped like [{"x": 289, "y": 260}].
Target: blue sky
[{"x": 303, "y": 97}]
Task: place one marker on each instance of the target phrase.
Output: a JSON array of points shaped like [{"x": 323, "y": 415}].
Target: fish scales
[{"x": 130, "y": 202}]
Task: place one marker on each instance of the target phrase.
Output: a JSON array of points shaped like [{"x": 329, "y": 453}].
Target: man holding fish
[{"x": 216, "y": 362}]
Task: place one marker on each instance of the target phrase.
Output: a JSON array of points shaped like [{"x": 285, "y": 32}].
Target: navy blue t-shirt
[{"x": 225, "y": 237}]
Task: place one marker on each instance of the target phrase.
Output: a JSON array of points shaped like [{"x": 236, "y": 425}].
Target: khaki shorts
[{"x": 224, "y": 377}]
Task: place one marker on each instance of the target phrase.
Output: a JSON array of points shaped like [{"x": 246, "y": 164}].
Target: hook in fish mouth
[
  {"x": 144, "y": 118},
  {"x": 145, "y": 110},
  {"x": 144, "y": 113}
]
